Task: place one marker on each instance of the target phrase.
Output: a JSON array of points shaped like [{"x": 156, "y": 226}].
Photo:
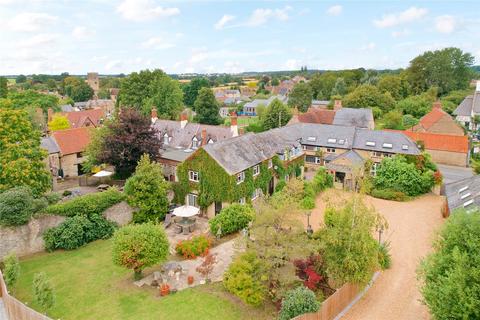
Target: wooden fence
[
  {"x": 334, "y": 304},
  {"x": 15, "y": 309}
]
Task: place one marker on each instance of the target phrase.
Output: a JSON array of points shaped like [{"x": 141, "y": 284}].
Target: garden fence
[
  {"x": 334, "y": 304},
  {"x": 15, "y": 309}
]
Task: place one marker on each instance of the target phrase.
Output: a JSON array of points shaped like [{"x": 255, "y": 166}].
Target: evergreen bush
[{"x": 233, "y": 218}]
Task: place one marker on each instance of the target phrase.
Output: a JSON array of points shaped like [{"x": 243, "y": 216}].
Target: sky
[{"x": 122, "y": 36}]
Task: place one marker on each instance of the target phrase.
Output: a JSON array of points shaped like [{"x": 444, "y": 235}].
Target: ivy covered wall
[{"x": 216, "y": 185}]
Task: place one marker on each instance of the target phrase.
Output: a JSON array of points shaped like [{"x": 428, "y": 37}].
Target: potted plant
[
  {"x": 164, "y": 289},
  {"x": 206, "y": 268},
  {"x": 190, "y": 280}
]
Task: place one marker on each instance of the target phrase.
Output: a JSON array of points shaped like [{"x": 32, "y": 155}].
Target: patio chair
[
  {"x": 191, "y": 228},
  {"x": 186, "y": 230},
  {"x": 178, "y": 229},
  {"x": 168, "y": 220}
]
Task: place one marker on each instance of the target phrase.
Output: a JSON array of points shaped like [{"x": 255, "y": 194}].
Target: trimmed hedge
[
  {"x": 389, "y": 194},
  {"x": 194, "y": 247},
  {"x": 76, "y": 231},
  {"x": 90, "y": 204},
  {"x": 16, "y": 206},
  {"x": 297, "y": 302},
  {"x": 231, "y": 219}
]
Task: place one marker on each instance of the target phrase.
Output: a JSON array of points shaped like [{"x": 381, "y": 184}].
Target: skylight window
[
  {"x": 404, "y": 147},
  {"x": 469, "y": 202},
  {"x": 463, "y": 189},
  {"x": 466, "y": 195},
  {"x": 311, "y": 139},
  {"x": 341, "y": 141},
  {"x": 370, "y": 143},
  {"x": 332, "y": 140},
  {"x": 387, "y": 145}
]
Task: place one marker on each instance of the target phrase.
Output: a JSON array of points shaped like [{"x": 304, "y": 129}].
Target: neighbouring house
[
  {"x": 71, "y": 144},
  {"x": 67, "y": 108},
  {"x": 250, "y": 108},
  {"x": 462, "y": 194},
  {"x": 52, "y": 162},
  {"x": 357, "y": 117},
  {"x": 114, "y": 94},
  {"x": 93, "y": 81},
  {"x": 444, "y": 149},
  {"x": 181, "y": 138},
  {"x": 240, "y": 169},
  {"x": 85, "y": 118},
  {"x": 107, "y": 105},
  {"x": 223, "y": 111},
  {"x": 320, "y": 104},
  {"x": 438, "y": 121},
  {"x": 468, "y": 109}
]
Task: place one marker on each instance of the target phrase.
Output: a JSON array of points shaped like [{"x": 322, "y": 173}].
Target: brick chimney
[
  {"x": 183, "y": 120},
  {"x": 49, "y": 114},
  {"x": 437, "y": 105},
  {"x": 241, "y": 131},
  {"x": 337, "y": 105},
  {"x": 204, "y": 136},
  {"x": 233, "y": 124},
  {"x": 154, "y": 114}
]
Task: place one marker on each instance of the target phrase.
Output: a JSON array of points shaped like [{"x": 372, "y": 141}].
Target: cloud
[
  {"x": 39, "y": 40},
  {"x": 223, "y": 21},
  {"x": 445, "y": 24},
  {"x": 292, "y": 64},
  {"x": 400, "y": 33},
  {"x": 157, "y": 43},
  {"x": 144, "y": 10},
  {"x": 114, "y": 64},
  {"x": 31, "y": 21},
  {"x": 261, "y": 16},
  {"x": 335, "y": 10},
  {"x": 368, "y": 47},
  {"x": 395, "y": 19},
  {"x": 82, "y": 33}
]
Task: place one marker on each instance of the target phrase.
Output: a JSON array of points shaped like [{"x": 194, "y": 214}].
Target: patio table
[{"x": 185, "y": 224}]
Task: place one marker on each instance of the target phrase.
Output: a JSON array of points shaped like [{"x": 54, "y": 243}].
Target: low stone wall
[{"x": 27, "y": 239}]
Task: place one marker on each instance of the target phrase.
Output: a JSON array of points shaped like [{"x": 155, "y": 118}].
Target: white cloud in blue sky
[{"x": 46, "y": 36}]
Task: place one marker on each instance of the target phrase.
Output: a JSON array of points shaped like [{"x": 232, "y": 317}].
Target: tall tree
[
  {"x": 148, "y": 89},
  {"x": 276, "y": 115},
  {"x": 300, "y": 97},
  {"x": 58, "y": 122},
  {"x": 77, "y": 89},
  {"x": 21, "y": 158},
  {"x": 3, "y": 87},
  {"x": 127, "y": 139},
  {"x": 448, "y": 69},
  {"x": 394, "y": 84},
  {"x": 207, "y": 107},
  {"x": 368, "y": 96},
  {"x": 191, "y": 90},
  {"x": 21, "y": 79}
]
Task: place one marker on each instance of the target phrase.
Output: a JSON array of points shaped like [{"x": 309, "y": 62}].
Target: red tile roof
[
  {"x": 79, "y": 118},
  {"x": 72, "y": 140},
  {"x": 432, "y": 117},
  {"x": 317, "y": 116},
  {"x": 442, "y": 142}
]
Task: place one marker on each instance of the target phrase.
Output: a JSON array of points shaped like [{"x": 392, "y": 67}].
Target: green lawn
[{"x": 88, "y": 286}]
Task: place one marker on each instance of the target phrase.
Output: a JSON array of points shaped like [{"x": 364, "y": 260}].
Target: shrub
[
  {"x": 307, "y": 203},
  {"x": 76, "y": 231},
  {"x": 67, "y": 193},
  {"x": 43, "y": 291},
  {"x": 52, "y": 197},
  {"x": 194, "y": 247},
  {"x": 280, "y": 185},
  {"x": 39, "y": 204},
  {"x": 298, "y": 301},
  {"x": 245, "y": 278},
  {"x": 16, "y": 206},
  {"x": 94, "y": 203},
  {"x": 389, "y": 194},
  {"x": 11, "y": 269},
  {"x": 384, "y": 257},
  {"x": 140, "y": 246},
  {"x": 322, "y": 180},
  {"x": 231, "y": 219}
]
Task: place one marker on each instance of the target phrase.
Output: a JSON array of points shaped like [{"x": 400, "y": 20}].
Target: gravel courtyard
[{"x": 395, "y": 294}]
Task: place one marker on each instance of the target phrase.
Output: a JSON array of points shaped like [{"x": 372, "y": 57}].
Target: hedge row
[
  {"x": 321, "y": 181},
  {"x": 87, "y": 205}
]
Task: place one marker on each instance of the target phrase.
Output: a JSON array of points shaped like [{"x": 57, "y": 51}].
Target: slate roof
[
  {"x": 255, "y": 103},
  {"x": 72, "y": 140},
  {"x": 67, "y": 108},
  {"x": 361, "y": 117},
  {"x": 355, "y": 159},
  {"x": 319, "y": 134},
  {"x": 465, "y": 107},
  {"x": 49, "y": 144},
  {"x": 464, "y": 193},
  {"x": 176, "y": 154},
  {"x": 385, "y": 141},
  {"x": 182, "y": 138}
]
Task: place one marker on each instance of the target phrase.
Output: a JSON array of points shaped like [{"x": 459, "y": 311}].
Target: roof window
[
  {"x": 370, "y": 143},
  {"x": 341, "y": 141},
  {"x": 469, "y": 202},
  {"x": 387, "y": 145},
  {"x": 404, "y": 147},
  {"x": 332, "y": 140},
  {"x": 311, "y": 139},
  {"x": 463, "y": 189},
  {"x": 466, "y": 195}
]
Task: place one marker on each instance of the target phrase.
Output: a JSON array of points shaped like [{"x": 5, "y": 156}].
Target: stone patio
[{"x": 201, "y": 227}]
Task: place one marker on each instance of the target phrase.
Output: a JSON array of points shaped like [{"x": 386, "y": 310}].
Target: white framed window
[
  {"x": 317, "y": 160},
  {"x": 240, "y": 177},
  {"x": 270, "y": 163},
  {"x": 373, "y": 170},
  {"x": 192, "y": 200},
  {"x": 242, "y": 200},
  {"x": 193, "y": 176},
  {"x": 377, "y": 154},
  {"x": 287, "y": 177},
  {"x": 256, "y": 170},
  {"x": 165, "y": 138},
  {"x": 194, "y": 143},
  {"x": 331, "y": 150},
  {"x": 256, "y": 193}
]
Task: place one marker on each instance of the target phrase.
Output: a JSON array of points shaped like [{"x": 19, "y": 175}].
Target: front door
[
  {"x": 271, "y": 187},
  {"x": 218, "y": 207}
]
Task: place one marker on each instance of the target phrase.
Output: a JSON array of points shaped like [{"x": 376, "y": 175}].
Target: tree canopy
[
  {"x": 191, "y": 90},
  {"x": 300, "y": 97},
  {"x": 207, "y": 107},
  {"x": 368, "y": 96},
  {"x": 58, "y": 122},
  {"x": 277, "y": 114},
  {"x": 77, "y": 89}
]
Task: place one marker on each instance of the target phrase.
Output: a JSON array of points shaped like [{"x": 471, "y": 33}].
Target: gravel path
[{"x": 395, "y": 294}]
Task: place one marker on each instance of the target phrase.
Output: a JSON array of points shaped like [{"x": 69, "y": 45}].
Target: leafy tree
[
  {"x": 207, "y": 107},
  {"x": 275, "y": 82},
  {"x": 95, "y": 148},
  {"x": 451, "y": 274},
  {"x": 16, "y": 206},
  {"x": 233, "y": 218},
  {"x": 322, "y": 85},
  {"x": 139, "y": 246},
  {"x": 393, "y": 84},
  {"x": 368, "y": 96},
  {"x": 3, "y": 87},
  {"x": 416, "y": 106},
  {"x": 127, "y": 139},
  {"x": 346, "y": 243},
  {"x": 409, "y": 121},
  {"x": 20, "y": 79},
  {"x": 43, "y": 291},
  {"x": 103, "y": 94},
  {"x": 297, "y": 302},
  {"x": 393, "y": 120},
  {"x": 147, "y": 190},
  {"x": 58, "y": 122},
  {"x": 77, "y": 89},
  {"x": 340, "y": 87},
  {"x": 448, "y": 69},
  {"x": 300, "y": 97},
  {"x": 191, "y": 90},
  {"x": 11, "y": 270},
  {"x": 148, "y": 89},
  {"x": 21, "y": 158},
  {"x": 276, "y": 115}
]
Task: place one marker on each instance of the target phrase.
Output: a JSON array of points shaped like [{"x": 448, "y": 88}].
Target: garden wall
[
  {"x": 16, "y": 310},
  {"x": 27, "y": 239}
]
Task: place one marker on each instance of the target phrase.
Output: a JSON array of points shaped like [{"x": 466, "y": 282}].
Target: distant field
[{"x": 11, "y": 80}]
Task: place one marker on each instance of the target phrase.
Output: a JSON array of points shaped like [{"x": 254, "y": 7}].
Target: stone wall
[{"x": 27, "y": 239}]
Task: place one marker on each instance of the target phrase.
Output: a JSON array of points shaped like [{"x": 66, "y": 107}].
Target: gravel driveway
[{"x": 395, "y": 294}]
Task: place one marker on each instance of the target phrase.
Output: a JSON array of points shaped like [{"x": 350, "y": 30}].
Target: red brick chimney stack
[
  {"x": 337, "y": 105},
  {"x": 154, "y": 114},
  {"x": 183, "y": 119},
  {"x": 204, "y": 136},
  {"x": 233, "y": 119},
  {"x": 437, "y": 105}
]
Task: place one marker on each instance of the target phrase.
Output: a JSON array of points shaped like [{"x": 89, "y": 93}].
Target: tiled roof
[
  {"x": 317, "y": 116},
  {"x": 431, "y": 118},
  {"x": 72, "y": 140},
  {"x": 49, "y": 144},
  {"x": 464, "y": 193},
  {"x": 362, "y": 118},
  {"x": 442, "y": 142},
  {"x": 78, "y": 118},
  {"x": 465, "y": 107}
]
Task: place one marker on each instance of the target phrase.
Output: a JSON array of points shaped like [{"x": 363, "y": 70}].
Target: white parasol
[
  {"x": 102, "y": 174},
  {"x": 185, "y": 211}
]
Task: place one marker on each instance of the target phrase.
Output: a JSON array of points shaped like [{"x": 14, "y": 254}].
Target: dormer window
[
  {"x": 165, "y": 138},
  {"x": 210, "y": 141},
  {"x": 194, "y": 143}
]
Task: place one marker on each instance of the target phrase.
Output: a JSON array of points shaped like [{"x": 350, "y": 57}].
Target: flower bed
[{"x": 194, "y": 247}]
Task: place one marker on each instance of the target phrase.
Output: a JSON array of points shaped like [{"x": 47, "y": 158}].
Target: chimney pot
[
  {"x": 337, "y": 105},
  {"x": 183, "y": 120},
  {"x": 154, "y": 114},
  {"x": 437, "y": 105},
  {"x": 204, "y": 136}
]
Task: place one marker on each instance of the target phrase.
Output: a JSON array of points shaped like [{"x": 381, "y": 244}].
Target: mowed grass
[{"x": 89, "y": 286}]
